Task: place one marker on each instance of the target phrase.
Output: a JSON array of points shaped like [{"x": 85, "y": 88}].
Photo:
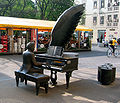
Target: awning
[{"x": 22, "y": 23}]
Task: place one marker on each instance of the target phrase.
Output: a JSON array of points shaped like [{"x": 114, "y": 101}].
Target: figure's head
[
  {"x": 114, "y": 38},
  {"x": 30, "y": 46}
]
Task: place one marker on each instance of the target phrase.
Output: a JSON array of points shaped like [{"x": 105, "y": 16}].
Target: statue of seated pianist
[{"x": 30, "y": 65}]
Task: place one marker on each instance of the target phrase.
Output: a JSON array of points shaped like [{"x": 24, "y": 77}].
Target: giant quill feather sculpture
[{"x": 65, "y": 25}]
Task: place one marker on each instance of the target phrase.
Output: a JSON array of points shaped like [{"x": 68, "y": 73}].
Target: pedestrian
[{"x": 98, "y": 41}]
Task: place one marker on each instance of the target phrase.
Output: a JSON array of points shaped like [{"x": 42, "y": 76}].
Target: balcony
[
  {"x": 115, "y": 24},
  {"x": 116, "y": 8},
  {"x": 109, "y": 24},
  {"x": 109, "y": 8}
]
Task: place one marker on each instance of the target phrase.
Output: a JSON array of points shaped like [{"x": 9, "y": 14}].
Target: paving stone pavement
[{"x": 84, "y": 87}]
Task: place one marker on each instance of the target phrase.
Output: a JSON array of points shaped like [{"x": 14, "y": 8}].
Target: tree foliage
[
  {"x": 51, "y": 9},
  {"x": 42, "y": 6},
  {"x": 17, "y": 8},
  {"x": 82, "y": 20},
  {"x": 40, "y": 9},
  {"x": 57, "y": 7}
]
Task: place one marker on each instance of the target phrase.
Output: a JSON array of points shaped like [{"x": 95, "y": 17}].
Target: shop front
[{"x": 101, "y": 35}]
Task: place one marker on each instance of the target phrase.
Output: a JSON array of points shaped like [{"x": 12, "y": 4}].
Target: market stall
[{"x": 14, "y": 40}]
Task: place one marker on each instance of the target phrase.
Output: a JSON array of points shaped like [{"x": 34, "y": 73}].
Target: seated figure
[{"x": 30, "y": 65}]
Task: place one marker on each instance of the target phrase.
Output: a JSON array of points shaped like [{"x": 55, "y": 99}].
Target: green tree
[
  {"x": 42, "y": 6},
  {"x": 52, "y": 9},
  {"x": 57, "y": 7},
  {"x": 41, "y": 9},
  {"x": 82, "y": 20},
  {"x": 17, "y": 8}
]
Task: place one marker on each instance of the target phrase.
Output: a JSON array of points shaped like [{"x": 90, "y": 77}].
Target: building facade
[{"x": 103, "y": 17}]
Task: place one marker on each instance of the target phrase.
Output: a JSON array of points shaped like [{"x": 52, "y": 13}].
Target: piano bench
[{"x": 41, "y": 80}]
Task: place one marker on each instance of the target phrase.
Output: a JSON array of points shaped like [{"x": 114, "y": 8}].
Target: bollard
[{"x": 106, "y": 74}]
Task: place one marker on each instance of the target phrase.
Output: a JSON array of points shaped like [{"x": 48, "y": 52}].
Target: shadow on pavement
[
  {"x": 89, "y": 91},
  {"x": 4, "y": 77},
  {"x": 80, "y": 91}
]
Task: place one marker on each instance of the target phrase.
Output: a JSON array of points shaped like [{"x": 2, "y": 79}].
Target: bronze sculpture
[
  {"x": 61, "y": 34},
  {"x": 30, "y": 65},
  {"x": 65, "y": 25}
]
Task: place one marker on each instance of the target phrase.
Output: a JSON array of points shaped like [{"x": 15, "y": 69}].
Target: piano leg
[
  {"x": 68, "y": 75},
  {"x": 53, "y": 77}
]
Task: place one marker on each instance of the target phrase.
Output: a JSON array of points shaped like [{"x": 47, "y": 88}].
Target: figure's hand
[{"x": 44, "y": 63}]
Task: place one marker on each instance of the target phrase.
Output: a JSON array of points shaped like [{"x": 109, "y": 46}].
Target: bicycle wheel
[
  {"x": 116, "y": 53},
  {"x": 109, "y": 52}
]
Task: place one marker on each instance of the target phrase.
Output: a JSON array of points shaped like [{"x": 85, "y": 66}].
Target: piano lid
[{"x": 65, "y": 25}]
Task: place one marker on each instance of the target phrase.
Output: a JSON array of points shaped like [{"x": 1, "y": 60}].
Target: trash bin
[{"x": 106, "y": 74}]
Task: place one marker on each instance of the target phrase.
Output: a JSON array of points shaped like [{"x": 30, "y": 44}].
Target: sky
[
  {"x": 88, "y": 5},
  {"x": 33, "y": 0}
]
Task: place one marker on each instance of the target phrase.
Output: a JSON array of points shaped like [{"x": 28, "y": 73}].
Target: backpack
[
  {"x": 118, "y": 41},
  {"x": 110, "y": 42}
]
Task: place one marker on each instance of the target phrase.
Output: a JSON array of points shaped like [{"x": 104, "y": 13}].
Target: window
[
  {"x": 109, "y": 3},
  {"x": 109, "y": 18},
  {"x": 102, "y": 20},
  {"x": 94, "y": 20},
  {"x": 102, "y": 3},
  {"x": 95, "y": 5},
  {"x": 116, "y": 3},
  {"x": 115, "y": 18}
]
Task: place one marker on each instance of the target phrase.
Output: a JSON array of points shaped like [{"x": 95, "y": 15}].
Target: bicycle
[{"x": 110, "y": 51}]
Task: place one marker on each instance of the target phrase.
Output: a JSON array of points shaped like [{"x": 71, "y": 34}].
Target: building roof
[{"x": 22, "y": 23}]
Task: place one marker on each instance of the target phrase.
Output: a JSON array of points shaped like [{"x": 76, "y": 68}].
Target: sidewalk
[{"x": 84, "y": 87}]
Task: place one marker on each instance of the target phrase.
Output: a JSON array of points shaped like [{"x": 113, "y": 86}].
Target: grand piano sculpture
[{"x": 57, "y": 60}]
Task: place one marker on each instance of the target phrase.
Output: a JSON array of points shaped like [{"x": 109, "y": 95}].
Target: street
[{"x": 84, "y": 87}]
